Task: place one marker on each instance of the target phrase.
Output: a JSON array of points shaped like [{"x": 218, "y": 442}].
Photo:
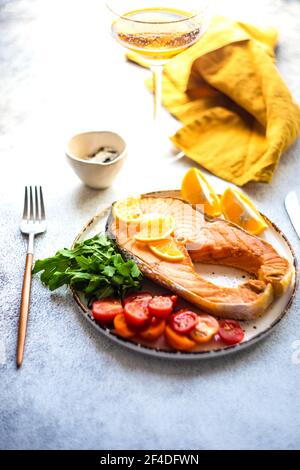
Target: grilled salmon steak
[{"x": 213, "y": 241}]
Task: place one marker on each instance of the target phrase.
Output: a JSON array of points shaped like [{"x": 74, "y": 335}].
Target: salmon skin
[{"x": 213, "y": 241}]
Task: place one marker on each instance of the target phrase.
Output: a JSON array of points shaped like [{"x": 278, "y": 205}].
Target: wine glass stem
[{"x": 157, "y": 74}]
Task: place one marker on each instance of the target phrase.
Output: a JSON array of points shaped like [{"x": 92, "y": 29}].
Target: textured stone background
[{"x": 61, "y": 73}]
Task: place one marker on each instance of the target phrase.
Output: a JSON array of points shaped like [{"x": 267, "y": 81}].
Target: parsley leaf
[{"x": 93, "y": 266}]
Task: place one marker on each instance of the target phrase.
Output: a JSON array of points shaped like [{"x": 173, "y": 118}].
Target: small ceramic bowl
[{"x": 92, "y": 173}]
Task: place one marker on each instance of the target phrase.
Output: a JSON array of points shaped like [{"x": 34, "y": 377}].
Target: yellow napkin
[{"x": 238, "y": 114}]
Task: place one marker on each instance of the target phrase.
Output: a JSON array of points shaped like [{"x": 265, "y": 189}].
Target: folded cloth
[{"x": 238, "y": 114}]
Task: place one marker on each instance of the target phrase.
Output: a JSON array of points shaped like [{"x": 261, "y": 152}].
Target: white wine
[{"x": 158, "y": 34}]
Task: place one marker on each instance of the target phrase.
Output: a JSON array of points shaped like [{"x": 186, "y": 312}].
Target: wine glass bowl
[{"x": 157, "y": 31}]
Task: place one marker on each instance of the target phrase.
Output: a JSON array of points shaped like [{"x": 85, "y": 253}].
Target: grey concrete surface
[{"x": 60, "y": 72}]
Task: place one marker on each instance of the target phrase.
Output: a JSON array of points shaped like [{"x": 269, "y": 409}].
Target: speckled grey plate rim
[{"x": 170, "y": 354}]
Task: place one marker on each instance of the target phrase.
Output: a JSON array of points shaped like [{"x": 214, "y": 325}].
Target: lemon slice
[
  {"x": 166, "y": 249},
  {"x": 195, "y": 189},
  {"x": 237, "y": 208},
  {"x": 128, "y": 210},
  {"x": 155, "y": 227}
]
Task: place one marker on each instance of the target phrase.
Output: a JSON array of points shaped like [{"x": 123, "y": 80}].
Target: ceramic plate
[{"x": 254, "y": 330}]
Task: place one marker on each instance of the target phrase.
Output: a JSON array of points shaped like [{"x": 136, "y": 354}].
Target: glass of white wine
[{"x": 157, "y": 31}]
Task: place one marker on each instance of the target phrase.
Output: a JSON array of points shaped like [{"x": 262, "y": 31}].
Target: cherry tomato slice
[
  {"x": 160, "y": 306},
  {"x": 178, "y": 341},
  {"x": 121, "y": 327},
  {"x": 206, "y": 327},
  {"x": 154, "y": 331},
  {"x": 231, "y": 332},
  {"x": 183, "y": 321},
  {"x": 104, "y": 311},
  {"x": 136, "y": 313},
  {"x": 144, "y": 297}
]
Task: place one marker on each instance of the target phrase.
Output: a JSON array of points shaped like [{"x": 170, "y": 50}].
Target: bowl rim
[
  {"x": 87, "y": 162},
  {"x": 118, "y": 14}
]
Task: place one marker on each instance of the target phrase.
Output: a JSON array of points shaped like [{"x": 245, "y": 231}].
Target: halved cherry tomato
[
  {"x": 144, "y": 297},
  {"x": 183, "y": 321},
  {"x": 154, "y": 331},
  {"x": 231, "y": 332},
  {"x": 104, "y": 311},
  {"x": 178, "y": 341},
  {"x": 121, "y": 327},
  {"x": 137, "y": 313},
  {"x": 160, "y": 306},
  {"x": 206, "y": 327}
]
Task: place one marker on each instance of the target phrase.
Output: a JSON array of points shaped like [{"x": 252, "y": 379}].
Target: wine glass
[{"x": 158, "y": 30}]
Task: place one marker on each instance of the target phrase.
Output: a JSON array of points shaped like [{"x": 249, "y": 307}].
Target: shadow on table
[{"x": 88, "y": 200}]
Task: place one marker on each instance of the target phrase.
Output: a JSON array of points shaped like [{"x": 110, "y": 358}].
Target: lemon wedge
[
  {"x": 128, "y": 210},
  {"x": 195, "y": 189},
  {"x": 154, "y": 227},
  {"x": 166, "y": 249},
  {"x": 238, "y": 208}
]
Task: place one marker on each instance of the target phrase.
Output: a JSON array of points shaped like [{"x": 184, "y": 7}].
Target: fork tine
[
  {"x": 25, "y": 210},
  {"x": 37, "y": 205},
  {"x": 42, "y": 204},
  {"x": 31, "y": 208}
]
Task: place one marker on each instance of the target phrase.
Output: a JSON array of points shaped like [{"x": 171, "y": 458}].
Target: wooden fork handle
[{"x": 24, "y": 310}]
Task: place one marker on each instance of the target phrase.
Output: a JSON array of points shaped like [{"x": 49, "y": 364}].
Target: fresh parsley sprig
[{"x": 93, "y": 266}]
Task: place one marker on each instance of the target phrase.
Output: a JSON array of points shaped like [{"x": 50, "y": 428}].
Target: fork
[{"x": 33, "y": 223}]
